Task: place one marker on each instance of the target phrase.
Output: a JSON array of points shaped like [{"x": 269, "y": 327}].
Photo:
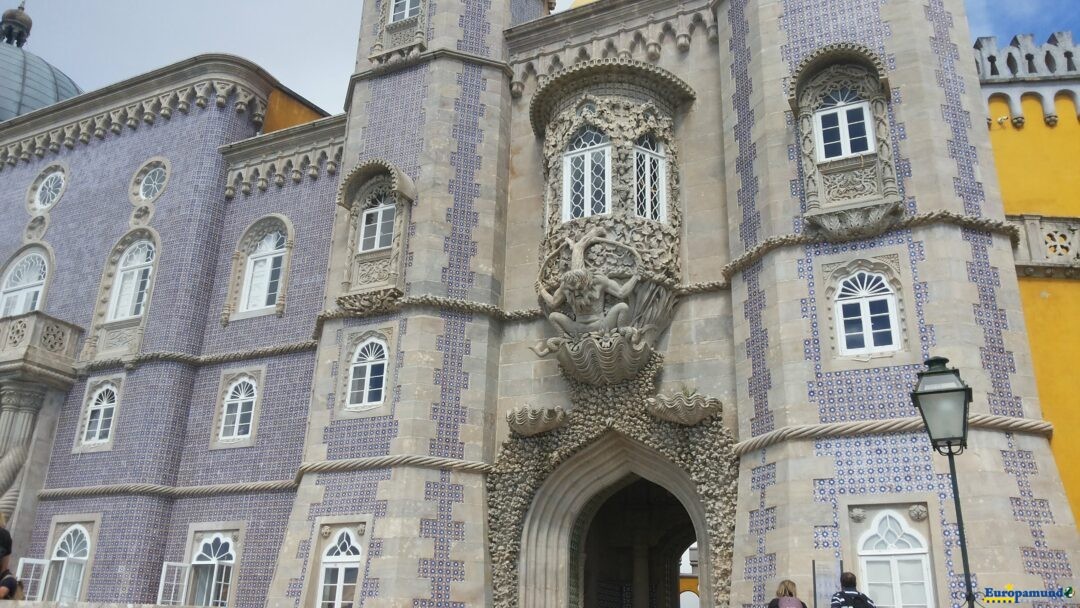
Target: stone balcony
[
  {"x": 38, "y": 348},
  {"x": 1049, "y": 246}
]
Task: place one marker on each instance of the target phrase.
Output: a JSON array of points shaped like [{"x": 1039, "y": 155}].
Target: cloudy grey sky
[{"x": 311, "y": 46}]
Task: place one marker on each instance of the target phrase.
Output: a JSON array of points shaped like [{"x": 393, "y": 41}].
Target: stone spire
[{"x": 15, "y": 25}]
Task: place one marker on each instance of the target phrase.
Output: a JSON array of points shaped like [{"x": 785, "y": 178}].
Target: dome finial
[{"x": 15, "y": 25}]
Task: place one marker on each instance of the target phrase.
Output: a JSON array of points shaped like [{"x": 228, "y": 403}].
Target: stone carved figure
[{"x": 585, "y": 291}]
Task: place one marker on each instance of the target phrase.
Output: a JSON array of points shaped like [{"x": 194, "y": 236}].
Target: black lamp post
[{"x": 943, "y": 399}]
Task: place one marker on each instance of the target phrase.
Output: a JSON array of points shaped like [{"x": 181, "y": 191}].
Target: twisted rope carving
[
  {"x": 285, "y": 485},
  {"x": 987, "y": 422},
  {"x": 11, "y": 465},
  {"x": 10, "y": 498},
  {"x": 200, "y": 360}
]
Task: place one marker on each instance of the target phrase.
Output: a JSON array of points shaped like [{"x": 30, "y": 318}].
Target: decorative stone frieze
[
  {"x": 285, "y": 157},
  {"x": 855, "y": 222},
  {"x": 638, "y": 30},
  {"x": 371, "y": 302},
  {"x": 599, "y": 415},
  {"x": 527, "y": 421},
  {"x": 1048, "y": 247},
  {"x": 39, "y": 348},
  {"x": 684, "y": 409}
]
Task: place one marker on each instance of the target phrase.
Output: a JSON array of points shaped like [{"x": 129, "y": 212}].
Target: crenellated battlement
[{"x": 1023, "y": 59}]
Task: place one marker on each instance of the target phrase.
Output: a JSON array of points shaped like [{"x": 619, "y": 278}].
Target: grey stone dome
[{"x": 28, "y": 82}]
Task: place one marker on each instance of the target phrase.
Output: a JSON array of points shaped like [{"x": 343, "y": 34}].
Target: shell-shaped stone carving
[
  {"x": 529, "y": 421},
  {"x": 604, "y": 359},
  {"x": 687, "y": 410}
]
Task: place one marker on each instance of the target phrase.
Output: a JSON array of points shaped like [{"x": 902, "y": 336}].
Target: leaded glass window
[
  {"x": 49, "y": 190},
  {"x": 367, "y": 375},
  {"x": 587, "y": 175},
  {"x": 843, "y": 126},
  {"x": 133, "y": 281},
  {"x": 262, "y": 277},
  {"x": 866, "y": 316},
  {"x": 99, "y": 415},
  {"x": 650, "y": 179},
  {"x": 23, "y": 284},
  {"x": 377, "y": 224},
  {"x": 153, "y": 183},
  {"x": 238, "y": 409},
  {"x": 340, "y": 580}
]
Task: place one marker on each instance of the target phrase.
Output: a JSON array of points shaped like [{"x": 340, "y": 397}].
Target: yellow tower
[{"x": 1032, "y": 93}]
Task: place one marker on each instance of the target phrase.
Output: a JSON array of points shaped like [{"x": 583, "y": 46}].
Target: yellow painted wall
[
  {"x": 1039, "y": 171},
  {"x": 284, "y": 111},
  {"x": 688, "y": 583},
  {"x": 1052, "y": 312},
  {"x": 1038, "y": 165}
]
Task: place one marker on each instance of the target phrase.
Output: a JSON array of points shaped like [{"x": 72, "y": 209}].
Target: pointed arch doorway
[{"x": 607, "y": 527}]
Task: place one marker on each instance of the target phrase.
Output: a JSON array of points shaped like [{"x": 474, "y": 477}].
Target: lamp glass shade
[{"x": 945, "y": 414}]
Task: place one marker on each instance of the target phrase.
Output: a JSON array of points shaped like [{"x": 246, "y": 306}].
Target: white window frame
[
  {"x": 222, "y": 573},
  {"x": 55, "y": 585},
  {"x": 340, "y": 563},
  {"x": 367, "y": 402},
  {"x": 32, "y": 573},
  {"x": 91, "y": 407},
  {"x": 239, "y": 403},
  {"x": 145, "y": 181},
  {"x": 39, "y": 205},
  {"x": 139, "y": 271},
  {"x": 863, "y": 302},
  {"x": 26, "y": 297},
  {"x": 175, "y": 575},
  {"x": 378, "y": 211},
  {"x": 401, "y": 10},
  {"x": 893, "y": 557},
  {"x": 659, "y": 205},
  {"x": 587, "y": 156},
  {"x": 269, "y": 257},
  {"x": 845, "y": 136}
]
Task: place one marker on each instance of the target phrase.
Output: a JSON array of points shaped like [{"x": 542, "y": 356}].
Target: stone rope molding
[
  {"x": 285, "y": 485},
  {"x": 199, "y": 360},
  {"x": 986, "y": 422},
  {"x": 181, "y": 98}
]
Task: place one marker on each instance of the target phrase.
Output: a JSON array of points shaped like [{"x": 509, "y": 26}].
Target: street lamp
[{"x": 942, "y": 399}]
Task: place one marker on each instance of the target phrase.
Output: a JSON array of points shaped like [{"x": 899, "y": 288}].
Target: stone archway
[{"x": 543, "y": 484}]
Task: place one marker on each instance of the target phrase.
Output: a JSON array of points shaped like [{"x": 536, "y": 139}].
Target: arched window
[
  {"x": 587, "y": 175},
  {"x": 99, "y": 415},
  {"x": 262, "y": 277},
  {"x": 63, "y": 583},
  {"x": 895, "y": 564},
  {"x": 238, "y": 410},
  {"x": 24, "y": 283},
  {"x": 650, "y": 178},
  {"x": 866, "y": 319},
  {"x": 367, "y": 375},
  {"x": 133, "y": 281},
  {"x": 843, "y": 126},
  {"x": 212, "y": 569},
  {"x": 340, "y": 578},
  {"x": 377, "y": 223},
  {"x": 403, "y": 9}
]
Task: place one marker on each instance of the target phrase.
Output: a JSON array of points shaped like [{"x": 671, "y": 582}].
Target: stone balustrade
[{"x": 1049, "y": 246}]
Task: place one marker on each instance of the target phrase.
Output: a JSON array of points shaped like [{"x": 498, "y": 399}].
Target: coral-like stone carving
[
  {"x": 527, "y": 421},
  {"x": 600, "y": 359},
  {"x": 918, "y": 512},
  {"x": 857, "y": 515},
  {"x": 854, "y": 223},
  {"x": 682, "y": 408}
]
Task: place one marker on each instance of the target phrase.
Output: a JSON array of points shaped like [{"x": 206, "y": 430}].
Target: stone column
[{"x": 20, "y": 403}]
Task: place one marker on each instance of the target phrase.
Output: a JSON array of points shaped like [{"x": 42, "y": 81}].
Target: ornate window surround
[
  {"x": 652, "y": 161},
  {"x": 46, "y": 252},
  {"x": 837, "y": 268},
  {"x": 586, "y": 152},
  {"x": 865, "y": 316},
  {"x": 135, "y": 186},
  {"x": 90, "y": 523},
  {"x": 138, "y": 268},
  {"x": 349, "y": 345},
  {"x": 324, "y": 531},
  {"x": 236, "y": 531},
  {"x": 856, "y": 193},
  {"x": 32, "y": 192},
  {"x": 401, "y": 40},
  {"x": 93, "y": 385},
  {"x": 108, "y": 338},
  {"x": 922, "y": 553},
  {"x": 381, "y": 270},
  {"x": 252, "y": 235},
  {"x": 229, "y": 377}
]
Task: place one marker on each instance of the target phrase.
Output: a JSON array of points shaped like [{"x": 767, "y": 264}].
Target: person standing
[
  {"x": 5, "y": 544},
  {"x": 849, "y": 595},
  {"x": 787, "y": 596}
]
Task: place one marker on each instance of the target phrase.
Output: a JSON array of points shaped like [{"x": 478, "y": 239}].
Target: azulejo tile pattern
[
  {"x": 442, "y": 570},
  {"x": 475, "y": 27},
  {"x": 760, "y": 568},
  {"x": 1051, "y": 565}
]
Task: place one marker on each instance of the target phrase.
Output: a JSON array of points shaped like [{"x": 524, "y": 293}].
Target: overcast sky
[{"x": 311, "y": 46}]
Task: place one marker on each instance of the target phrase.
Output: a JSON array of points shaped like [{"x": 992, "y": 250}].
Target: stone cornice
[
  {"x": 286, "y": 156},
  {"x": 197, "y": 82},
  {"x": 425, "y": 57}
]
